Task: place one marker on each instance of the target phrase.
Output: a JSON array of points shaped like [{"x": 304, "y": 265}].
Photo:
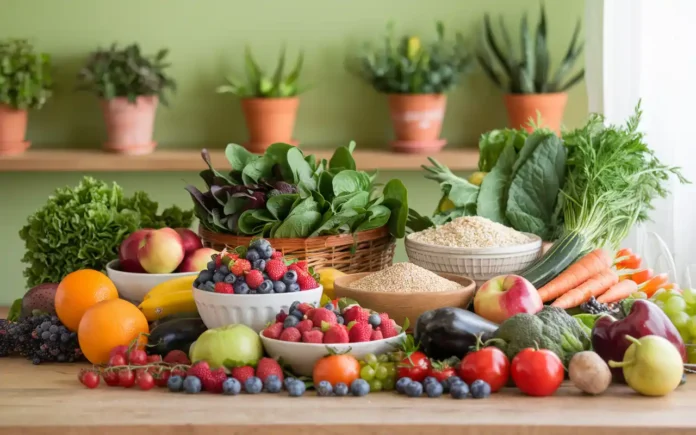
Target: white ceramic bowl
[
  {"x": 480, "y": 264},
  {"x": 254, "y": 311},
  {"x": 302, "y": 356},
  {"x": 134, "y": 286}
]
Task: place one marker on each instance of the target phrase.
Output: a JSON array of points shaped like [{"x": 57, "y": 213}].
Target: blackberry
[
  {"x": 39, "y": 338},
  {"x": 592, "y": 306},
  {"x": 6, "y": 340}
]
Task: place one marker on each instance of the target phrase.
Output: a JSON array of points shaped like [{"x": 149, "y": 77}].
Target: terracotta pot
[
  {"x": 13, "y": 129},
  {"x": 522, "y": 107},
  {"x": 129, "y": 126},
  {"x": 417, "y": 121},
  {"x": 269, "y": 120}
]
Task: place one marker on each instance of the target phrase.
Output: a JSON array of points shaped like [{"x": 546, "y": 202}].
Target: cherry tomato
[
  {"x": 110, "y": 378},
  {"x": 161, "y": 378},
  {"x": 488, "y": 364},
  {"x": 416, "y": 366},
  {"x": 145, "y": 381},
  {"x": 537, "y": 372},
  {"x": 441, "y": 370},
  {"x": 119, "y": 350},
  {"x": 335, "y": 369},
  {"x": 641, "y": 276},
  {"x": 126, "y": 378},
  {"x": 154, "y": 358},
  {"x": 117, "y": 360},
  {"x": 89, "y": 379},
  {"x": 137, "y": 357}
]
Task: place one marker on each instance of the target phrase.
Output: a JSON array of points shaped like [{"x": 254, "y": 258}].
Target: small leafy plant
[
  {"x": 126, "y": 72},
  {"x": 25, "y": 75},
  {"x": 407, "y": 66},
  {"x": 530, "y": 73},
  {"x": 260, "y": 85}
]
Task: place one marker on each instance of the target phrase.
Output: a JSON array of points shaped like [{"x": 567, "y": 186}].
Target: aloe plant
[
  {"x": 260, "y": 85},
  {"x": 530, "y": 72}
]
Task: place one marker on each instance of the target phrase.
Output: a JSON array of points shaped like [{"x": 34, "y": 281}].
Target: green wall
[{"x": 206, "y": 38}]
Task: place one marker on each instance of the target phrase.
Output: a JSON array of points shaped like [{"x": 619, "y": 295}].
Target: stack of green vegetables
[{"x": 285, "y": 194}]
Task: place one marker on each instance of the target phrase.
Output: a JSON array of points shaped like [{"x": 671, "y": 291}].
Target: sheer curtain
[{"x": 644, "y": 49}]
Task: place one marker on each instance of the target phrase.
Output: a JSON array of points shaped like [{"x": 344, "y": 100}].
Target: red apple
[
  {"x": 161, "y": 251},
  {"x": 504, "y": 296},
  {"x": 197, "y": 260},
  {"x": 189, "y": 239},
  {"x": 128, "y": 252}
]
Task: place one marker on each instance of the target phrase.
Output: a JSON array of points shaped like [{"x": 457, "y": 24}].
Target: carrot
[
  {"x": 652, "y": 285},
  {"x": 630, "y": 262},
  {"x": 618, "y": 291},
  {"x": 579, "y": 272},
  {"x": 625, "y": 252},
  {"x": 594, "y": 286},
  {"x": 639, "y": 277},
  {"x": 672, "y": 286}
]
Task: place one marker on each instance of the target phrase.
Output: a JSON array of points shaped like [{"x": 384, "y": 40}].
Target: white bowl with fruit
[
  {"x": 300, "y": 343},
  {"x": 250, "y": 286},
  {"x": 148, "y": 257}
]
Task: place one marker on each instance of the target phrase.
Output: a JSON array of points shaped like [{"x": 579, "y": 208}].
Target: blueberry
[
  {"x": 252, "y": 255},
  {"x": 340, "y": 320},
  {"x": 211, "y": 266},
  {"x": 209, "y": 286},
  {"x": 231, "y": 387},
  {"x": 295, "y": 388},
  {"x": 265, "y": 287},
  {"x": 433, "y": 389},
  {"x": 252, "y": 292},
  {"x": 683, "y": 379},
  {"x": 294, "y": 287},
  {"x": 374, "y": 320},
  {"x": 273, "y": 384},
  {"x": 429, "y": 380},
  {"x": 259, "y": 265},
  {"x": 196, "y": 283},
  {"x": 402, "y": 383},
  {"x": 240, "y": 287},
  {"x": 324, "y": 389},
  {"x": 192, "y": 385},
  {"x": 297, "y": 313},
  {"x": 218, "y": 277},
  {"x": 360, "y": 387},
  {"x": 480, "y": 389},
  {"x": 414, "y": 389},
  {"x": 288, "y": 381},
  {"x": 293, "y": 306},
  {"x": 290, "y": 277},
  {"x": 230, "y": 279},
  {"x": 329, "y": 306},
  {"x": 451, "y": 381},
  {"x": 253, "y": 385},
  {"x": 290, "y": 321},
  {"x": 224, "y": 269},
  {"x": 205, "y": 276},
  {"x": 341, "y": 389},
  {"x": 175, "y": 383},
  {"x": 279, "y": 287},
  {"x": 459, "y": 390}
]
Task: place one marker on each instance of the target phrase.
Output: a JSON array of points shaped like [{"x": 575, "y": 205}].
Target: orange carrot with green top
[
  {"x": 594, "y": 286},
  {"x": 618, "y": 292},
  {"x": 652, "y": 285},
  {"x": 579, "y": 272}
]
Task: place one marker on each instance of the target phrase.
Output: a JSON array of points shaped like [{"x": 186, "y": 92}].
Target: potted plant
[
  {"x": 532, "y": 92},
  {"x": 25, "y": 83},
  {"x": 129, "y": 85},
  {"x": 415, "y": 78},
  {"x": 269, "y": 102}
]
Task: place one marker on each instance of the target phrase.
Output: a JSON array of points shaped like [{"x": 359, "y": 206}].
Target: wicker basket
[{"x": 366, "y": 251}]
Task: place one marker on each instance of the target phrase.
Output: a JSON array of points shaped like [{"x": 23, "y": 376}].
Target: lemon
[
  {"x": 327, "y": 276},
  {"x": 445, "y": 204}
]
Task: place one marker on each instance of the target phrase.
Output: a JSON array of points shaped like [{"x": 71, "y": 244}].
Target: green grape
[
  {"x": 363, "y": 363},
  {"x": 391, "y": 369},
  {"x": 691, "y": 354},
  {"x": 388, "y": 384},
  {"x": 383, "y": 358},
  {"x": 639, "y": 295},
  {"x": 674, "y": 305},
  {"x": 679, "y": 319},
  {"x": 370, "y": 359},
  {"x": 661, "y": 295},
  {"x": 367, "y": 373},
  {"x": 684, "y": 332},
  {"x": 381, "y": 373},
  {"x": 375, "y": 385},
  {"x": 689, "y": 296}
]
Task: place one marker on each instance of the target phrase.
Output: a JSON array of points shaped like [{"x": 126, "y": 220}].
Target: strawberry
[
  {"x": 306, "y": 281},
  {"x": 304, "y": 308},
  {"x": 223, "y": 287},
  {"x": 240, "y": 266},
  {"x": 360, "y": 332},
  {"x": 299, "y": 267},
  {"x": 356, "y": 314},
  {"x": 177, "y": 357},
  {"x": 275, "y": 269},
  {"x": 290, "y": 334},
  {"x": 254, "y": 278},
  {"x": 305, "y": 325},
  {"x": 199, "y": 369},
  {"x": 302, "y": 265},
  {"x": 442, "y": 370},
  {"x": 273, "y": 331},
  {"x": 388, "y": 328},
  {"x": 313, "y": 336},
  {"x": 323, "y": 315},
  {"x": 376, "y": 335},
  {"x": 267, "y": 367},
  {"x": 336, "y": 334},
  {"x": 310, "y": 313},
  {"x": 277, "y": 255},
  {"x": 242, "y": 373},
  {"x": 213, "y": 382},
  {"x": 280, "y": 317}
]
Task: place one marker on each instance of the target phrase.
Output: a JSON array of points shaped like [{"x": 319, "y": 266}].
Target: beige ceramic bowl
[{"x": 411, "y": 305}]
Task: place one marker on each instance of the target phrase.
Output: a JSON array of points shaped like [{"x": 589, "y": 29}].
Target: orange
[
  {"x": 335, "y": 369},
  {"x": 80, "y": 290},
  {"x": 109, "y": 324}
]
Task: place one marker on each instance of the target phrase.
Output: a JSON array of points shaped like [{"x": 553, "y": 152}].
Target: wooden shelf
[{"x": 66, "y": 160}]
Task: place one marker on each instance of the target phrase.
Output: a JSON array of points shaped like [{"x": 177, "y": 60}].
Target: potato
[{"x": 589, "y": 373}]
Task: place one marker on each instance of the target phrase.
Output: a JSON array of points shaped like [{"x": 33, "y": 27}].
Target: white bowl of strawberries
[
  {"x": 300, "y": 342},
  {"x": 252, "y": 286}
]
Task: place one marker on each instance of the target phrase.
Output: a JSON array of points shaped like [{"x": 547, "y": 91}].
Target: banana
[
  {"x": 171, "y": 286},
  {"x": 168, "y": 304}
]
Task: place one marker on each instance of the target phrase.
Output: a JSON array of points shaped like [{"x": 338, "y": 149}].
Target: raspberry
[
  {"x": 223, "y": 287},
  {"x": 280, "y": 317},
  {"x": 201, "y": 368},
  {"x": 273, "y": 331},
  {"x": 240, "y": 266},
  {"x": 267, "y": 367},
  {"x": 356, "y": 314},
  {"x": 336, "y": 334},
  {"x": 304, "y": 307},
  {"x": 277, "y": 255},
  {"x": 305, "y": 325},
  {"x": 376, "y": 335},
  {"x": 388, "y": 328},
  {"x": 242, "y": 373},
  {"x": 254, "y": 278},
  {"x": 213, "y": 382},
  {"x": 360, "y": 332},
  {"x": 313, "y": 336},
  {"x": 177, "y": 357},
  {"x": 306, "y": 281},
  {"x": 276, "y": 269},
  {"x": 290, "y": 334},
  {"x": 323, "y": 315}
]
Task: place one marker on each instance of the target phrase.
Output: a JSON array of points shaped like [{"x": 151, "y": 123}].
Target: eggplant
[
  {"x": 448, "y": 332},
  {"x": 174, "y": 334}
]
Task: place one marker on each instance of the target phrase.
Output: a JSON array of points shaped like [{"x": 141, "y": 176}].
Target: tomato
[
  {"x": 335, "y": 369},
  {"x": 126, "y": 378},
  {"x": 442, "y": 370},
  {"x": 537, "y": 372},
  {"x": 415, "y": 366},
  {"x": 488, "y": 364}
]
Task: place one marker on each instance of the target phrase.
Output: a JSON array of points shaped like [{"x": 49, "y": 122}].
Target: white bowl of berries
[
  {"x": 296, "y": 339},
  {"x": 250, "y": 286}
]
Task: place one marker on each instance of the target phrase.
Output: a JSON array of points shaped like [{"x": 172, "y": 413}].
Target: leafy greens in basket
[{"x": 285, "y": 194}]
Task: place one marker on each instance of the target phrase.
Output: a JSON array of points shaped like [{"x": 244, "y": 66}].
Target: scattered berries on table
[
  {"x": 360, "y": 387},
  {"x": 295, "y": 388},
  {"x": 192, "y": 385},
  {"x": 213, "y": 382},
  {"x": 242, "y": 373},
  {"x": 175, "y": 383},
  {"x": 89, "y": 378},
  {"x": 480, "y": 389},
  {"x": 273, "y": 384},
  {"x": 434, "y": 389},
  {"x": 145, "y": 381},
  {"x": 268, "y": 367},
  {"x": 126, "y": 378},
  {"x": 324, "y": 389},
  {"x": 340, "y": 389},
  {"x": 414, "y": 389},
  {"x": 231, "y": 387},
  {"x": 402, "y": 383},
  {"x": 253, "y": 385},
  {"x": 459, "y": 390}
]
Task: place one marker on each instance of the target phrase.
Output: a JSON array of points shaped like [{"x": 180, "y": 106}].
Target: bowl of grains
[
  {"x": 405, "y": 290},
  {"x": 473, "y": 246}
]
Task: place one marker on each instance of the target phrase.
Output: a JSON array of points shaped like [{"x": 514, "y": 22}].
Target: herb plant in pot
[
  {"x": 269, "y": 103},
  {"x": 25, "y": 83},
  {"x": 130, "y": 86},
  {"x": 415, "y": 78},
  {"x": 532, "y": 92}
]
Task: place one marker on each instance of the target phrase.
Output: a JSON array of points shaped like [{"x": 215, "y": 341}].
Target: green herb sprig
[{"x": 25, "y": 75}]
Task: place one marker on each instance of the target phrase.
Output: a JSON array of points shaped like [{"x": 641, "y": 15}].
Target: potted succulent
[
  {"x": 415, "y": 78},
  {"x": 25, "y": 83},
  {"x": 269, "y": 102},
  {"x": 532, "y": 92},
  {"x": 129, "y": 85}
]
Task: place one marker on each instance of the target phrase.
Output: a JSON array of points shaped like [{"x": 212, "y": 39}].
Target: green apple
[{"x": 231, "y": 345}]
